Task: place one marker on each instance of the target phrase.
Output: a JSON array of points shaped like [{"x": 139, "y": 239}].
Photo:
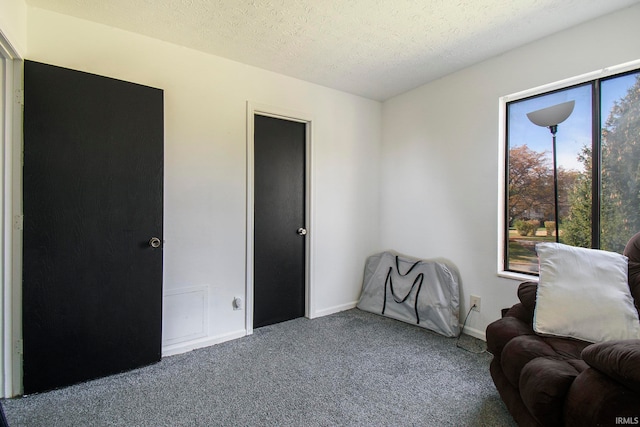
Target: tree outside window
[{"x": 600, "y": 139}]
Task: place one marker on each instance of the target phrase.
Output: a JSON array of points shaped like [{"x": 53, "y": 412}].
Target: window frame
[{"x": 503, "y": 145}]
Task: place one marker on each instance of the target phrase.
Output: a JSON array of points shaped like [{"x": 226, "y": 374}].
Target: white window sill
[{"x": 518, "y": 276}]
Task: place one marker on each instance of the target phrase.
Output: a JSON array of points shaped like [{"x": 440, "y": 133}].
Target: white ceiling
[{"x": 373, "y": 48}]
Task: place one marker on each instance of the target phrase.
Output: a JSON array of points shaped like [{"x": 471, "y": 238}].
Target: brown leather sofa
[{"x": 551, "y": 381}]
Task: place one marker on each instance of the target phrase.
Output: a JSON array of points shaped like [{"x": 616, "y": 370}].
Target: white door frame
[
  {"x": 11, "y": 222},
  {"x": 280, "y": 113}
]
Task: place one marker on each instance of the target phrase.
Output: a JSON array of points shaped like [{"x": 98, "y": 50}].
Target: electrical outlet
[{"x": 474, "y": 300}]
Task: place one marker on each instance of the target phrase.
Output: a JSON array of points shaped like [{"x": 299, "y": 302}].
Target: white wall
[
  {"x": 205, "y": 166},
  {"x": 418, "y": 174},
  {"x": 13, "y": 23},
  {"x": 439, "y": 178}
]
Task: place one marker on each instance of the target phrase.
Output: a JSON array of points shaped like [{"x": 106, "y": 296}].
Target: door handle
[
  {"x": 302, "y": 231},
  {"x": 155, "y": 242}
]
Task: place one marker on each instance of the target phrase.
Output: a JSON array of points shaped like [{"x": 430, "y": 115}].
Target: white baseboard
[
  {"x": 334, "y": 309},
  {"x": 475, "y": 333},
  {"x": 184, "y": 347}
]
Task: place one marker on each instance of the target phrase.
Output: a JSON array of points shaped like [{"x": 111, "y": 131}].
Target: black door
[
  {"x": 93, "y": 183},
  {"x": 279, "y": 224}
]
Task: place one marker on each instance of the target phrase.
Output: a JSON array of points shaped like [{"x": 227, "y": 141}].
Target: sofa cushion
[
  {"x": 500, "y": 332},
  {"x": 521, "y": 350},
  {"x": 584, "y": 294},
  {"x": 566, "y": 348},
  {"x": 544, "y": 384},
  {"x": 617, "y": 359},
  {"x": 595, "y": 399}
]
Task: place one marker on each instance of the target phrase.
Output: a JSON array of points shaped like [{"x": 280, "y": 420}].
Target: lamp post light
[{"x": 551, "y": 117}]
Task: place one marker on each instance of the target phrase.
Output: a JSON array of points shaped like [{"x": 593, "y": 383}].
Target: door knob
[
  {"x": 302, "y": 231},
  {"x": 155, "y": 242}
]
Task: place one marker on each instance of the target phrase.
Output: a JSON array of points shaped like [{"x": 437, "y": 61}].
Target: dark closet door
[
  {"x": 279, "y": 225},
  {"x": 93, "y": 199}
]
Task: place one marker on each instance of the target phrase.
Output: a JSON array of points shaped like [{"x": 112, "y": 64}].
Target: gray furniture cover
[{"x": 422, "y": 292}]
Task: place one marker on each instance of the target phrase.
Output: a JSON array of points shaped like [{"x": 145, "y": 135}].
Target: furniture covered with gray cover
[{"x": 417, "y": 291}]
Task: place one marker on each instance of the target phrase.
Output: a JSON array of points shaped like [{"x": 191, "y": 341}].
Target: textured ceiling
[{"x": 373, "y": 48}]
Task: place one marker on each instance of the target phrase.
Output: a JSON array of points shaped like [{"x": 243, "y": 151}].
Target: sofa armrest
[
  {"x": 527, "y": 292},
  {"x": 619, "y": 360},
  {"x": 523, "y": 310},
  {"x": 516, "y": 321},
  {"x": 500, "y": 332}
]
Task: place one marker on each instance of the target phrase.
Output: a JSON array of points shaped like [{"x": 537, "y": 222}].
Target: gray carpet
[{"x": 348, "y": 369}]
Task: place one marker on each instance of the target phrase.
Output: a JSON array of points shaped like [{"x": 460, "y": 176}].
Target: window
[{"x": 596, "y": 172}]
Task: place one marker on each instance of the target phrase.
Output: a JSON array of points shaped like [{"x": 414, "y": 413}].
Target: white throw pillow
[{"x": 584, "y": 294}]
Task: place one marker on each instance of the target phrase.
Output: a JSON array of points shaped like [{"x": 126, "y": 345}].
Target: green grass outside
[{"x": 522, "y": 254}]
